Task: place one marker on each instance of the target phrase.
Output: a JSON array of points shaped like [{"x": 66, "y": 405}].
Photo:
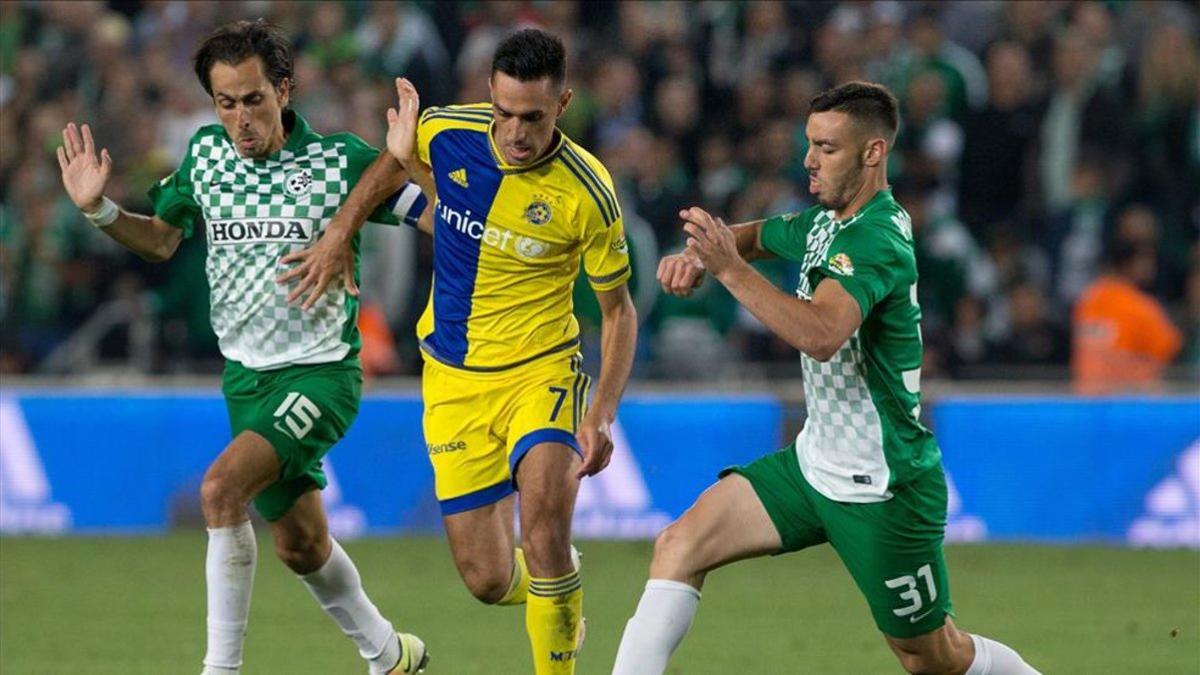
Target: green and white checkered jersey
[
  {"x": 257, "y": 211},
  {"x": 862, "y": 438}
]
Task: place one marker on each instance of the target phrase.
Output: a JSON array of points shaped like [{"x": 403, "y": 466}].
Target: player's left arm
[
  {"x": 818, "y": 327},
  {"x": 606, "y": 262},
  {"x": 618, "y": 339}
]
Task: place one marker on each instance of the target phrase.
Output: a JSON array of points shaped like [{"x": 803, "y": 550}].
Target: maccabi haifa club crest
[
  {"x": 299, "y": 183},
  {"x": 538, "y": 212},
  {"x": 842, "y": 264}
]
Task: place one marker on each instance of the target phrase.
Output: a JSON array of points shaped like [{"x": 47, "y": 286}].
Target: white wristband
[{"x": 105, "y": 215}]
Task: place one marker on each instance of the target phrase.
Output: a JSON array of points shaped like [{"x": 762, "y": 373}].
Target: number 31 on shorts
[{"x": 912, "y": 592}]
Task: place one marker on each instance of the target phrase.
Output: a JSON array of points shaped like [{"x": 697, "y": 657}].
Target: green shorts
[
  {"x": 302, "y": 411},
  {"x": 893, "y": 549}
]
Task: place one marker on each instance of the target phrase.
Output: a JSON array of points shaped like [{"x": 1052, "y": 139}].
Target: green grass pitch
[{"x": 136, "y": 605}]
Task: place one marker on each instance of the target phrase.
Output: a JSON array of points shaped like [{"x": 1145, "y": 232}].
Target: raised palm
[
  {"x": 84, "y": 173},
  {"x": 402, "y": 122}
]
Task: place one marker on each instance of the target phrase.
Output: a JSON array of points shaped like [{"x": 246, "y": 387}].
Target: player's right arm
[
  {"x": 331, "y": 256},
  {"x": 85, "y": 174},
  {"x": 683, "y": 272}
]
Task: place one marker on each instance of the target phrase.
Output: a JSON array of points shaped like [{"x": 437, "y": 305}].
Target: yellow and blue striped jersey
[{"x": 508, "y": 242}]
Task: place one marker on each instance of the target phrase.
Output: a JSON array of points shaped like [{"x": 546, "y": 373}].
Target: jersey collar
[
  {"x": 883, "y": 195},
  {"x": 556, "y": 146},
  {"x": 299, "y": 134}
]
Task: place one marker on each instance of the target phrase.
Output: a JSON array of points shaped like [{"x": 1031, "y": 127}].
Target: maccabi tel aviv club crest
[{"x": 538, "y": 212}]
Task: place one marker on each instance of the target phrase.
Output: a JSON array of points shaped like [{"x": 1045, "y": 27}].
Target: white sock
[
  {"x": 994, "y": 658},
  {"x": 229, "y": 572},
  {"x": 663, "y": 617},
  {"x": 337, "y": 587}
]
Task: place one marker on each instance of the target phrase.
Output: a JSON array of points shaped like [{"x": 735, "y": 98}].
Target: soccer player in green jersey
[
  {"x": 264, "y": 184},
  {"x": 864, "y": 474}
]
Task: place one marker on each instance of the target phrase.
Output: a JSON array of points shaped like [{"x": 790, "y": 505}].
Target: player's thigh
[
  {"x": 754, "y": 510},
  {"x": 547, "y": 403},
  {"x": 243, "y": 469},
  {"x": 481, "y": 539},
  {"x": 894, "y": 552},
  {"x": 771, "y": 494},
  {"x": 546, "y": 477},
  {"x": 302, "y": 411},
  {"x": 727, "y": 523},
  {"x": 464, "y": 447}
]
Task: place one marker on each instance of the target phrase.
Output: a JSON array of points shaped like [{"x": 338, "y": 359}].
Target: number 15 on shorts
[{"x": 912, "y": 593}]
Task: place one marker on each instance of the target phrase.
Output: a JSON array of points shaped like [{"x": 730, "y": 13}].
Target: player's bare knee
[
  {"x": 674, "y": 550},
  {"x": 487, "y": 586},
  {"x": 303, "y": 552},
  {"x": 220, "y": 502}
]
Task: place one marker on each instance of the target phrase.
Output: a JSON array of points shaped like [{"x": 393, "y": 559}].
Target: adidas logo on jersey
[{"x": 459, "y": 176}]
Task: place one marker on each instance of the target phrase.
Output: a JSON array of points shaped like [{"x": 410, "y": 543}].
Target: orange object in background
[
  {"x": 378, "y": 353},
  {"x": 1123, "y": 338}
]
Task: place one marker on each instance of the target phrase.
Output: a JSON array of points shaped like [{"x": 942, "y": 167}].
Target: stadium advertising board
[{"x": 1115, "y": 470}]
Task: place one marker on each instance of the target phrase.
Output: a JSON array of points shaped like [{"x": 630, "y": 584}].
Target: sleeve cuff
[{"x": 608, "y": 282}]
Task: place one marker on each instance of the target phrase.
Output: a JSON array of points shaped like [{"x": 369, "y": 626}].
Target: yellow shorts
[{"x": 478, "y": 426}]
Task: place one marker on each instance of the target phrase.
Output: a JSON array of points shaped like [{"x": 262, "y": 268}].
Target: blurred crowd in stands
[{"x": 1049, "y": 152}]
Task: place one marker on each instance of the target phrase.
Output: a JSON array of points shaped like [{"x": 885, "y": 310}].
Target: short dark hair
[
  {"x": 531, "y": 54},
  {"x": 235, "y": 42},
  {"x": 868, "y": 104}
]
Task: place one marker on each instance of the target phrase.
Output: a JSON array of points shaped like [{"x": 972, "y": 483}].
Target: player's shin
[
  {"x": 229, "y": 574},
  {"x": 663, "y": 617},
  {"x": 553, "y": 611},
  {"x": 994, "y": 658},
  {"x": 337, "y": 588}
]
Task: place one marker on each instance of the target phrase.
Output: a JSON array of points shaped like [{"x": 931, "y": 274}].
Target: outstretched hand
[
  {"x": 402, "y": 122},
  {"x": 317, "y": 266},
  {"x": 84, "y": 173}
]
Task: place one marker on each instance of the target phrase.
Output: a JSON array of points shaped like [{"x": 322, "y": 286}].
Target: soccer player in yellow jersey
[{"x": 519, "y": 207}]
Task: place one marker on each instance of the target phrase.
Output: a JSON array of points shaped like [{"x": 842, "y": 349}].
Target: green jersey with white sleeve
[
  {"x": 255, "y": 212},
  {"x": 863, "y": 437}
]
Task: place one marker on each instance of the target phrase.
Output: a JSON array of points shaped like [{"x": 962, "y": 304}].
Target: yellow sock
[
  {"x": 552, "y": 614},
  {"x": 518, "y": 587}
]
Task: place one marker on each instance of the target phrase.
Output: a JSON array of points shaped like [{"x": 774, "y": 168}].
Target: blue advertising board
[
  {"x": 1051, "y": 469},
  {"x": 1110, "y": 469},
  {"x": 125, "y": 461}
]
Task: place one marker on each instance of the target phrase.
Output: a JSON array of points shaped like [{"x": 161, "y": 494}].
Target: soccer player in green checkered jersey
[
  {"x": 864, "y": 474},
  {"x": 264, "y": 185}
]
